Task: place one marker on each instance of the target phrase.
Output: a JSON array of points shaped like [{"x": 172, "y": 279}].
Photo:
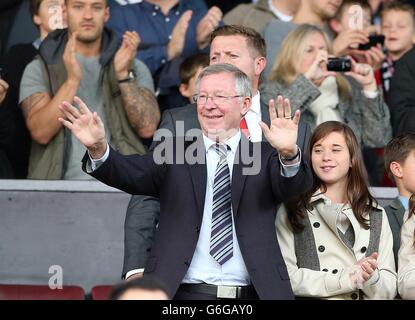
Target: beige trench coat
[
  {"x": 333, "y": 281},
  {"x": 406, "y": 259}
]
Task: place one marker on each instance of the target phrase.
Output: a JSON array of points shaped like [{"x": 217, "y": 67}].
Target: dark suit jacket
[
  {"x": 254, "y": 202},
  {"x": 402, "y": 95},
  {"x": 143, "y": 211},
  {"x": 395, "y": 212}
]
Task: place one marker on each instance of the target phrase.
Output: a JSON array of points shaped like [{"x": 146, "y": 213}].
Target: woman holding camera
[
  {"x": 300, "y": 74},
  {"x": 335, "y": 239}
]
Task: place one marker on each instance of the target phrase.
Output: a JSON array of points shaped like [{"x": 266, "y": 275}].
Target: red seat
[
  {"x": 40, "y": 292},
  {"x": 101, "y": 292}
]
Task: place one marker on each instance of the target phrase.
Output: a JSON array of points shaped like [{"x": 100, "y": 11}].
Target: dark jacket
[
  {"x": 14, "y": 136},
  {"x": 395, "y": 212},
  {"x": 402, "y": 95},
  {"x": 254, "y": 202}
]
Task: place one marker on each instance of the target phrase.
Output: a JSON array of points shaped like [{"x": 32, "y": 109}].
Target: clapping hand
[
  {"x": 283, "y": 131},
  {"x": 72, "y": 65},
  {"x": 208, "y": 23},
  {"x": 86, "y": 126},
  {"x": 126, "y": 54},
  {"x": 363, "y": 270},
  {"x": 178, "y": 35}
]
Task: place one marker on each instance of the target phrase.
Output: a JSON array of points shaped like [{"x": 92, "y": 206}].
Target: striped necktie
[{"x": 221, "y": 247}]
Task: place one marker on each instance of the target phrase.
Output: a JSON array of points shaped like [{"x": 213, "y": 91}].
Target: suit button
[
  {"x": 363, "y": 250},
  {"x": 316, "y": 224},
  {"x": 325, "y": 270},
  {"x": 197, "y": 229},
  {"x": 354, "y": 296},
  {"x": 321, "y": 248},
  {"x": 334, "y": 271},
  {"x": 187, "y": 263}
]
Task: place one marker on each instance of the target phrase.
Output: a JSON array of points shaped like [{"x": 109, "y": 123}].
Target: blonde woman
[
  {"x": 335, "y": 239},
  {"x": 406, "y": 255},
  {"x": 300, "y": 73}
]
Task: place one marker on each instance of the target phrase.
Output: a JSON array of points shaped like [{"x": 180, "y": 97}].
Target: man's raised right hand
[{"x": 86, "y": 126}]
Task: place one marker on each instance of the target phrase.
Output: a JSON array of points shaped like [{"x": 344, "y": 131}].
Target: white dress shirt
[{"x": 253, "y": 117}]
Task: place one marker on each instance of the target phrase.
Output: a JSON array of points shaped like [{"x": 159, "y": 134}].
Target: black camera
[
  {"x": 373, "y": 41},
  {"x": 339, "y": 64}
]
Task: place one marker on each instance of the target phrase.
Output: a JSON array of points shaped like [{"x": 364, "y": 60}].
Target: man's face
[
  {"x": 235, "y": 50},
  {"x": 220, "y": 119},
  {"x": 87, "y": 18},
  {"x": 50, "y": 16},
  {"x": 326, "y": 9}
]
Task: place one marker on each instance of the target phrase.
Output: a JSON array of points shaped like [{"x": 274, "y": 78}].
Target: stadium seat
[
  {"x": 40, "y": 292},
  {"x": 101, "y": 292}
]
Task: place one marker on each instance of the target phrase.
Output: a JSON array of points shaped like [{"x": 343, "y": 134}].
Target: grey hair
[{"x": 242, "y": 82}]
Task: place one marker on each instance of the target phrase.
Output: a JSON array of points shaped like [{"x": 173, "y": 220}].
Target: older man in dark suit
[
  {"x": 237, "y": 45},
  {"x": 216, "y": 237}
]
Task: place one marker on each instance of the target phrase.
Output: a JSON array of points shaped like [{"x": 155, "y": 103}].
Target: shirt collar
[
  {"x": 256, "y": 104},
  {"x": 232, "y": 142},
  {"x": 404, "y": 201},
  {"x": 318, "y": 195},
  {"x": 37, "y": 43}
]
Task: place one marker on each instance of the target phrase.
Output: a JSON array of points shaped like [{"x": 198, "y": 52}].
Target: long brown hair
[
  {"x": 412, "y": 210},
  {"x": 358, "y": 193}
]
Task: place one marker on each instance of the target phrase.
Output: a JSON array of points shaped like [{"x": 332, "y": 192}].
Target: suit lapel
[
  {"x": 265, "y": 116},
  {"x": 399, "y": 210},
  {"x": 198, "y": 173},
  {"x": 238, "y": 178}
]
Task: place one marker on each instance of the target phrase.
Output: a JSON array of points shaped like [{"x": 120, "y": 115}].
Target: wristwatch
[{"x": 129, "y": 78}]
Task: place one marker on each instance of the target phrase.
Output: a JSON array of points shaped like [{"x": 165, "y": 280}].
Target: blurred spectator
[
  {"x": 257, "y": 15},
  {"x": 300, "y": 74},
  {"x": 226, "y": 6},
  {"x": 402, "y": 95},
  {"x": 315, "y": 12},
  {"x": 145, "y": 288},
  {"x": 400, "y": 166},
  {"x": 84, "y": 60},
  {"x": 188, "y": 72},
  {"x": 169, "y": 31},
  {"x": 15, "y": 24},
  {"x": 47, "y": 16},
  {"x": 352, "y": 25},
  {"x": 398, "y": 27}
]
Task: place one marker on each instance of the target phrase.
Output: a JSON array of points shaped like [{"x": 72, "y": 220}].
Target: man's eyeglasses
[{"x": 216, "y": 99}]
